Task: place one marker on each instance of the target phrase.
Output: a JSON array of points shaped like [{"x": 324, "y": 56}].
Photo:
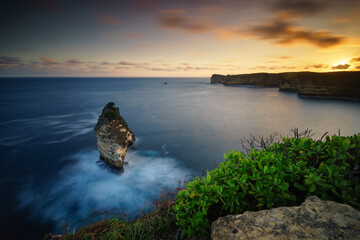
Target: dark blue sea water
[{"x": 50, "y": 171}]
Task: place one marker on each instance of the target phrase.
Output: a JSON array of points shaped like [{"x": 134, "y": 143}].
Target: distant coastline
[{"x": 327, "y": 84}]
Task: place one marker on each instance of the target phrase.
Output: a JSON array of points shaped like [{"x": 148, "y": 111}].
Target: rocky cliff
[
  {"x": 314, "y": 219},
  {"x": 113, "y": 135},
  {"x": 331, "y": 84}
]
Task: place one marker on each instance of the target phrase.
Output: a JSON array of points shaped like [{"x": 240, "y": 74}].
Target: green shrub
[
  {"x": 282, "y": 175},
  {"x": 112, "y": 112}
]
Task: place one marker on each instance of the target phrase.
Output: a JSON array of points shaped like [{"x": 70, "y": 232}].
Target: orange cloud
[
  {"x": 341, "y": 20},
  {"x": 355, "y": 59},
  {"x": 48, "y": 61},
  {"x": 282, "y": 30},
  {"x": 73, "y": 61}
]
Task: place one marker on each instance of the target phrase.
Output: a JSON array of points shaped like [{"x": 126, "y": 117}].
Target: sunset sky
[{"x": 148, "y": 38}]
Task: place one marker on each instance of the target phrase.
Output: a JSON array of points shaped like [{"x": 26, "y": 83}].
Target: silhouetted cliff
[{"x": 332, "y": 84}]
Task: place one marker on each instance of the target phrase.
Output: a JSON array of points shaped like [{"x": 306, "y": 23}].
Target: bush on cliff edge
[{"x": 283, "y": 174}]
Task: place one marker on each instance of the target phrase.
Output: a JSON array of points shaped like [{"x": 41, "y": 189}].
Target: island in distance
[
  {"x": 327, "y": 84},
  {"x": 113, "y": 135}
]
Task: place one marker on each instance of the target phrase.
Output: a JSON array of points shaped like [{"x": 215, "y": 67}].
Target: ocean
[{"x": 50, "y": 169}]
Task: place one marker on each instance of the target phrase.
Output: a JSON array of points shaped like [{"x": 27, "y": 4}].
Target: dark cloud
[
  {"x": 357, "y": 67},
  {"x": 341, "y": 66},
  {"x": 300, "y": 6},
  {"x": 282, "y": 30},
  {"x": 48, "y": 61},
  {"x": 4, "y": 60},
  {"x": 355, "y": 59},
  {"x": 175, "y": 19},
  {"x": 127, "y": 63},
  {"x": 310, "y": 7}
]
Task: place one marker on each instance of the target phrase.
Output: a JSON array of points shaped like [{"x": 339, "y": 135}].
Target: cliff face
[
  {"x": 332, "y": 84},
  {"x": 255, "y": 79},
  {"x": 113, "y": 135}
]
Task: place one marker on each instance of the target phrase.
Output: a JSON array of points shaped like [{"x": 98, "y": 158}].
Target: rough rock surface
[
  {"x": 328, "y": 84},
  {"x": 113, "y": 135},
  {"x": 314, "y": 219}
]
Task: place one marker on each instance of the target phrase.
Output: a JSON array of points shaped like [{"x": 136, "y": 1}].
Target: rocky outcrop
[
  {"x": 329, "y": 84},
  {"x": 254, "y": 79},
  {"x": 113, "y": 135},
  {"x": 314, "y": 219}
]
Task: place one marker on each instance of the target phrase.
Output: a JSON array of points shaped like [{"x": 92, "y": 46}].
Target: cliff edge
[
  {"x": 113, "y": 135},
  {"x": 328, "y": 84}
]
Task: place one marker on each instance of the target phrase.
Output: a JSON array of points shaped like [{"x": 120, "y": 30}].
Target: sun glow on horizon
[{"x": 342, "y": 62}]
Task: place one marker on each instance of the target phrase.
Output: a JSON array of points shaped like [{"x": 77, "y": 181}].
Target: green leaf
[
  {"x": 312, "y": 188},
  {"x": 272, "y": 169},
  {"x": 300, "y": 187}
]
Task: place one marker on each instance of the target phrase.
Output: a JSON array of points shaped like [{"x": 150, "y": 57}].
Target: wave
[
  {"x": 54, "y": 128},
  {"x": 44, "y": 118},
  {"x": 85, "y": 187}
]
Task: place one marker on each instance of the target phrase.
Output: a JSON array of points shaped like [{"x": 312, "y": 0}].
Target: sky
[{"x": 170, "y": 38}]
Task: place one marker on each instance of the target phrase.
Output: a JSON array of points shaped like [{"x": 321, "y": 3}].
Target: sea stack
[{"x": 113, "y": 135}]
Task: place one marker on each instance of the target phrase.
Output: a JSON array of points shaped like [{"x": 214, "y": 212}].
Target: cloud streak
[
  {"x": 317, "y": 66},
  {"x": 79, "y": 67},
  {"x": 302, "y": 7},
  {"x": 5, "y": 60},
  {"x": 73, "y": 61},
  {"x": 176, "y": 19},
  {"x": 48, "y": 61},
  {"x": 282, "y": 30}
]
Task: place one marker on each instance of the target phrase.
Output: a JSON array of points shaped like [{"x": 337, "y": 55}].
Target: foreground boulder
[
  {"x": 113, "y": 135},
  {"x": 314, "y": 219}
]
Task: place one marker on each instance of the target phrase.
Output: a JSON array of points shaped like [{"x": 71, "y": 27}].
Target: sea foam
[{"x": 85, "y": 188}]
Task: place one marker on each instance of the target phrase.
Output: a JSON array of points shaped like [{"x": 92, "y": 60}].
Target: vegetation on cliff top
[
  {"x": 112, "y": 112},
  {"x": 281, "y": 174}
]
